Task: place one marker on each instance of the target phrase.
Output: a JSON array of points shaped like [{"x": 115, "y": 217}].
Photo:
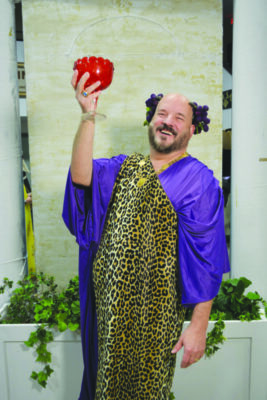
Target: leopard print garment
[{"x": 139, "y": 311}]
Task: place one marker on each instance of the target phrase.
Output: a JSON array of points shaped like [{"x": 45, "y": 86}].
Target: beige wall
[{"x": 156, "y": 46}]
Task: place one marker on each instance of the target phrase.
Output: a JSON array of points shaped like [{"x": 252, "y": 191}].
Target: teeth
[{"x": 167, "y": 133}]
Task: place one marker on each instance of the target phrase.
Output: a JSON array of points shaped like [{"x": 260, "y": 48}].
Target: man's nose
[{"x": 169, "y": 120}]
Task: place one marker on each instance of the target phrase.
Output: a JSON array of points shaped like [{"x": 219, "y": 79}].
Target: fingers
[
  {"x": 86, "y": 96},
  {"x": 74, "y": 79},
  {"x": 79, "y": 87},
  {"x": 82, "y": 81},
  {"x": 177, "y": 347},
  {"x": 190, "y": 358},
  {"x": 94, "y": 86}
]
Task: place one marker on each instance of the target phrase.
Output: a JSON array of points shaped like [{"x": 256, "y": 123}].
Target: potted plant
[{"x": 37, "y": 300}]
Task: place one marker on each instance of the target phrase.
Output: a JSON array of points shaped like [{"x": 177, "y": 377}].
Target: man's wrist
[
  {"x": 88, "y": 116},
  {"x": 199, "y": 326},
  {"x": 200, "y": 317}
]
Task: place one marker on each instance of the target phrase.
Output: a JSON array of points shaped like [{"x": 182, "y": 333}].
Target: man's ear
[{"x": 192, "y": 130}]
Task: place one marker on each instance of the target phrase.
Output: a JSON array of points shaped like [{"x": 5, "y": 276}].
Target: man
[{"x": 151, "y": 237}]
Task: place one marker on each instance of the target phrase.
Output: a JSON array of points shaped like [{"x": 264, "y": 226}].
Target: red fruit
[{"x": 100, "y": 69}]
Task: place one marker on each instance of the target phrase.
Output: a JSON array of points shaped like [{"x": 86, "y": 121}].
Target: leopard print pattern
[{"x": 135, "y": 275}]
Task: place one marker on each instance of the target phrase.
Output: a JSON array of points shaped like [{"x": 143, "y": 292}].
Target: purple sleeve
[
  {"x": 197, "y": 198},
  {"x": 85, "y": 208},
  {"x": 203, "y": 252}
]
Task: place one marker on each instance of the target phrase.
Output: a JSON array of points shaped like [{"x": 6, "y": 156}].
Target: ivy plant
[
  {"x": 36, "y": 299},
  {"x": 235, "y": 304},
  {"x": 232, "y": 303}
]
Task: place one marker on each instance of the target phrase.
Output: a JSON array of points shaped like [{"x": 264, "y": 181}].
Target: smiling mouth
[{"x": 165, "y": 132}]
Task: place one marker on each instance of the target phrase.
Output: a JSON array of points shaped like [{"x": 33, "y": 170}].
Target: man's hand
[
  {"x": 84, "y": 96},
  {"x": 194, "y": 344},
  {"x": 193, "y": 339}
]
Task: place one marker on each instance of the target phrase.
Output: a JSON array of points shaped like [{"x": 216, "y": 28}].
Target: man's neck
[{"x": 160, "y": 159}]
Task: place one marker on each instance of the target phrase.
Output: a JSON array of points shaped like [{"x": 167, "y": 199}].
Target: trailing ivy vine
[{"x": 38, "y": 300}]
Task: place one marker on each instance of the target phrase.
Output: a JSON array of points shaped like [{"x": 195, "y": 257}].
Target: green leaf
[
  {"x": 73, "y": 327},
  {"x": 245, "y": 281},
  {"x": 48, "y": 370},
  {"x": 75, "y": 307},
  {"x": 231, "y": 282},
  {"x": 253, "y": 296},
  {"x": 42, "y": 378},
  {"x": 62, "y": 326},
  {"x": 34, "y": 375},
  {"x": 44, "y": 357},
  {"x": 32, "y": 340},
  {"x": 61, "y": 317},
  {"x": 215, "y": 338}
]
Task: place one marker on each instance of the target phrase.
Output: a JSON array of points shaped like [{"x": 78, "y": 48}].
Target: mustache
[{"x": 165, "y": 127}]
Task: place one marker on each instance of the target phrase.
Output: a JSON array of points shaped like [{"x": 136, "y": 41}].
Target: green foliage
[
  {"x": 215, "y": 337},
  {"x": 235, "y": 304},
  {"x": 171, "y": 397},
  {"x": 42, "y": 376},
  {"x": 6, "y": 284},
  {"x": 231, "y": 303},
  {"x": 37, "y": 299},
  {"x": 30, "y": 293}
]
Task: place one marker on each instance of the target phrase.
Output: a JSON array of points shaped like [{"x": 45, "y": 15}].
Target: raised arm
[{"x": 82, "y": 151}]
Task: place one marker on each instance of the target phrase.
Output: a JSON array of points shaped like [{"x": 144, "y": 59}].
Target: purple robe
[{"x": 203, "y": 258}]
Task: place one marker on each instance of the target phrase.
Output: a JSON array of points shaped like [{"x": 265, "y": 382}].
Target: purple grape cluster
[
  {"x": 200, "y": 118},
  {"x": 151, "y": 105}
]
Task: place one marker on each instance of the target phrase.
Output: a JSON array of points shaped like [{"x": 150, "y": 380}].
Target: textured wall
[{"x": 156, "y": 46}]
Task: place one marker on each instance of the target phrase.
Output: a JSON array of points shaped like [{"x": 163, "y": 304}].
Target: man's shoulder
[
  {"x": 197, "y": 176},
  {"x": 191, "y": 181},
  {"x": 197, "y": 168},
  {"x": 195, "y": 162}
]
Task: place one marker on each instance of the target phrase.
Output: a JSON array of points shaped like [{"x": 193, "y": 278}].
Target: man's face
[{"x": 171, "y": 127}]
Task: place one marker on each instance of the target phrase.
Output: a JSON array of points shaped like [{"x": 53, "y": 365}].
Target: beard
[{"x": 180, "y": 142}]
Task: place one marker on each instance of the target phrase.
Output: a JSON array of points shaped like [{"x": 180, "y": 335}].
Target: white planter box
[
  {"x": 237, "y": 372},
  {"x": 17, "y": 363}
]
